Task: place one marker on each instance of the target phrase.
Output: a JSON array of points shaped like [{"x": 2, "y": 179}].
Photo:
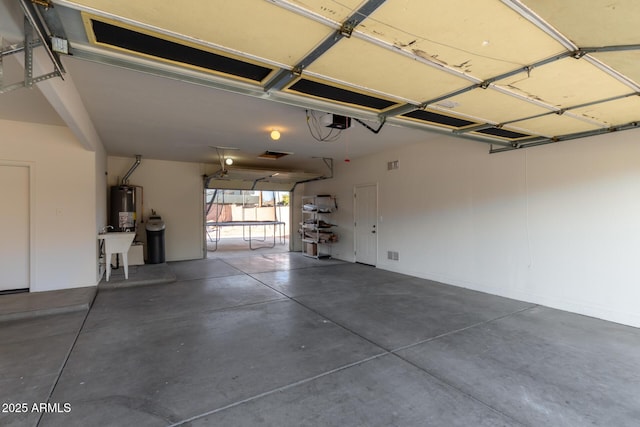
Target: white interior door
[
  {"x": 14, "y": 227},
  {"x": 366, "y": 224}
]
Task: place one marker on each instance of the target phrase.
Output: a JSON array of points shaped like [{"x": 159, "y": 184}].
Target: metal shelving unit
[{"x": 316, "y": 228}]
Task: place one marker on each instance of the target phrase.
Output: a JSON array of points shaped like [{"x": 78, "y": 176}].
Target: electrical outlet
[
  {"x": 393, "y": 255},
  {"x": 396, "y": 256},
  {"x": 392, "y": 165}
]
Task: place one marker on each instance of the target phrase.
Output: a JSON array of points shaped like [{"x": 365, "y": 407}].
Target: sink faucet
[{"x": 106, "y": 228}]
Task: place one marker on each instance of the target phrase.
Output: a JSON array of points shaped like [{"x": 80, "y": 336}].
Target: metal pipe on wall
[{"x": 131, "y": 169}]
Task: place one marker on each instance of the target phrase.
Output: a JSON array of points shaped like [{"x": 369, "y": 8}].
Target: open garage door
[
  {"x": 243, "y": 220},
  {"x": 245, "y": 181},
  {"x": 259, "y": 179}
]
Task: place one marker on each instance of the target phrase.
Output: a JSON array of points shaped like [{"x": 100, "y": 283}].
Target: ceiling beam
[
  {"x": 284, "y": 77},
  {"x": 535, "y": 19},
  {"x": 403, "y": 109},
  {"x": 569, "y": 137},
  {"x": 447, "y": 132},
  {"x": 616, "y": 48}
]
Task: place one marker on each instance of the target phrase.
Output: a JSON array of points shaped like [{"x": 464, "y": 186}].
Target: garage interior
[{"x": 483, "y": 160}]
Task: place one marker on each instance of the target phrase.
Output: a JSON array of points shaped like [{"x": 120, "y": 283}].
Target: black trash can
[{"x": 155, "y": 240}]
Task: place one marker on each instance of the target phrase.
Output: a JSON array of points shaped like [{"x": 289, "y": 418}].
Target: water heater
[{"x": 123, "y": 208}]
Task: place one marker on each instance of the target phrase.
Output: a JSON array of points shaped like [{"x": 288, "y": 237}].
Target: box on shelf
[{"x": 311, "y": 249}]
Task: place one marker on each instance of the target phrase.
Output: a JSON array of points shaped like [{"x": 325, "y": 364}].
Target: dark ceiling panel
[
  {"x": 321, "y": 90},
  {"x": 160, "y": 48},
  {"x": 440, "y": 119},
  {"x": 503, "y": 133}
]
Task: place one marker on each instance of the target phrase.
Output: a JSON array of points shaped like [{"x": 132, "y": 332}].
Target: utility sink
[{"x": 117, "y": 242}]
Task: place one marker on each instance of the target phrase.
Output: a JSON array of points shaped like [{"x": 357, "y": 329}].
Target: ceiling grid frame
[
  {"x": 349, "y": 27},
  {"x": 344, "y": 31}
]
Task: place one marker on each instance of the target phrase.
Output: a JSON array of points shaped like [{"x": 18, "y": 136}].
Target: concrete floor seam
[
  {"x": 384, "y": 353},
  {"x": 262, "y": 348},
  {"x": 458, "y": 390},
  {"x": 324, "y": 316},
  {"x": 279, "y": 389},
  {"x": 393, "y": 352},
  {"x": 359, "y": 362},
  {"x": 475, "y": 325},
  {"x": 447, "y": 384},
  {"x": 68, "y": 355},
  {"x": 296, "y": 383}
]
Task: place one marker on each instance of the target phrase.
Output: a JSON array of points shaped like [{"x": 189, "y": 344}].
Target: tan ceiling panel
[
  {"x": 618, "y": 112},
  {"x": 627, "y": 62},
  {"x": 490, "y": 105},
  {"x": 337, "y": 11},
  {"x": 373, "y": 67},
  {"x": 592, "y": 23},
  {"x": 269, "y": 32},
  {"x": 483, "y": 38},
  {"x": 553, "y": 125},
  {"x": 565, "y": 83},
  {"x": 405, "y": 51}
]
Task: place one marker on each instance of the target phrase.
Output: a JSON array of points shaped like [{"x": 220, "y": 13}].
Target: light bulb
[
  {"x": 275, "y": 135},
  {"x": 228, "y": 161}
]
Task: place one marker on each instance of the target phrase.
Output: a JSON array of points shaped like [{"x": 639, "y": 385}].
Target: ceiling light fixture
[
  {"x": 224, "y": 160},
  {"x": 275, "y": 135}
]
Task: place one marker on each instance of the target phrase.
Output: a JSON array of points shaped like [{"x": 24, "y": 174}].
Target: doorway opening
[
  {"x": 240, "y": 221},
  {"x": 16, "y": 255}
]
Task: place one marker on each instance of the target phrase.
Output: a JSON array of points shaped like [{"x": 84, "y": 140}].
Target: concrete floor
[{"x": 278, "y": 339}]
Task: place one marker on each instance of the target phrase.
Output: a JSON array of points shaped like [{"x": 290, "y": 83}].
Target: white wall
[
  {"x": 65, "y": 226},
  {"x": 557, "y": 225},
  {"x": 175, "y": 191}
]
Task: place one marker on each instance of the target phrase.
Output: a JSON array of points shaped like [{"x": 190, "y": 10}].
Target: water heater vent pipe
[{"x": 125, "y": 179}]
